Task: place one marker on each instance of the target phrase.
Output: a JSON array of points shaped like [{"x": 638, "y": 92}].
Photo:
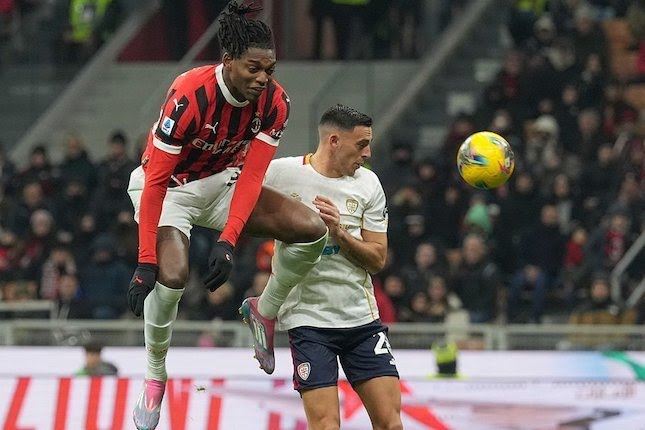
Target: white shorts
[{"x": 204, "y": 202}]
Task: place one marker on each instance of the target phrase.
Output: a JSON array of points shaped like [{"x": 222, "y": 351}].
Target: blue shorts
[{"x": 364, "y": 352}]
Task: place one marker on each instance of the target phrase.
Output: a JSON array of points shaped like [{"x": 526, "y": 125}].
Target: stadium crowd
[{"x": 541, "y": 246}]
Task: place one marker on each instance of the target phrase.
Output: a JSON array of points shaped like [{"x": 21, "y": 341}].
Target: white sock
[
  {"x": 159, "y": 312},
  {"x": 272, "y": 298},
  {"x": 289, "y": 265}
]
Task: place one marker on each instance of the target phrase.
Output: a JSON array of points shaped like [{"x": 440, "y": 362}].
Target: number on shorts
[{"x": 382, "y": 345}]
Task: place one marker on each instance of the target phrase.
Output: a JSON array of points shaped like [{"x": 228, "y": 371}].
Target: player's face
[
  {"x": 248, "y": 76},
  {"x": 353, "y": 149}
]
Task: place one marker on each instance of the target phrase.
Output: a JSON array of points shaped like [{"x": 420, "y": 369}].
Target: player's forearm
[
  {"x": 247, "y": 189},
  {"x": 158, "y": 170},
  {"x": 368, "y": 255}
]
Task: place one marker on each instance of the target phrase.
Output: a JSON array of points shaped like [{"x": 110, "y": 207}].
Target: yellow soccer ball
[{"x": 485, "y": 160}]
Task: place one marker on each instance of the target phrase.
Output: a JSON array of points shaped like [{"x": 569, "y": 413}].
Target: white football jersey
[{"x": 336, "y": 293}]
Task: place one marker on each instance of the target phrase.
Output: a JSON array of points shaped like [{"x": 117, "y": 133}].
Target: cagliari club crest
[
  {"x": 351, "y": 205},
  {"x": 303, "y": 370}
]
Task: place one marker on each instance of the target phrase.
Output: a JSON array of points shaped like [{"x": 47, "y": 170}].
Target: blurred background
[{"x": 553, "y": 260}]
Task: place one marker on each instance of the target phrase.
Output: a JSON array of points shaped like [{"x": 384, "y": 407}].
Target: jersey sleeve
[
  {"x": 158, "y": 169},
  {"x": 375, "y": 217},
  {"x": 275, "y": 116},
  {"x": 179, "y": 117}
]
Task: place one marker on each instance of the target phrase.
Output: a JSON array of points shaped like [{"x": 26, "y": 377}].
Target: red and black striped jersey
[{"x": 209, "y": 129}]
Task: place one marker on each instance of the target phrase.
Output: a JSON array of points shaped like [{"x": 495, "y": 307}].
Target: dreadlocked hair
[{"x": 236, "y": 33}]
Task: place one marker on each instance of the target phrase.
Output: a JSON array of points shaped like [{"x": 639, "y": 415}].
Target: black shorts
[{"x": 364, "y": 353}]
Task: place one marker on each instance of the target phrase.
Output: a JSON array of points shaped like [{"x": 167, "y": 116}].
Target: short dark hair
[
  {"x": 345, "y": 117},
  {"x": 236, "y": 33},
  {"x": 95, "y": 347}
]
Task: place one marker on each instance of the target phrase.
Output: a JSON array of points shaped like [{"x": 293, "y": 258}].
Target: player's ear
[
  {"x": 334, "y": 140},
  {"x": 227, "y": 60}
]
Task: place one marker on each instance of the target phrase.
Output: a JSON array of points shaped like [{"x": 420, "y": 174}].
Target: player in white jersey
[{"x": 332, "y": 315}]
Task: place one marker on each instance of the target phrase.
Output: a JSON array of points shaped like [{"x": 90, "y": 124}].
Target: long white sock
[
  {"x": 159, "y": 312},
  {"x": 289, "y": 266}
]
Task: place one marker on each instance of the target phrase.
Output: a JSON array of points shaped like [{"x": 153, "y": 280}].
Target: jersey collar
[{"x": 222, "y": 86}]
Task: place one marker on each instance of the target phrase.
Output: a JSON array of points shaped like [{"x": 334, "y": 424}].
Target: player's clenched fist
[
  {"x": 220, "y": 264},
  {"x": 142, "y": 282}
]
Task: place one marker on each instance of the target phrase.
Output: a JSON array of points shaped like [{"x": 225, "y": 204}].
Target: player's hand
[
  {"x": 220, "y": 264},
  {"x": 142, "y": 282},
  {"x": 329, "y": 213}
]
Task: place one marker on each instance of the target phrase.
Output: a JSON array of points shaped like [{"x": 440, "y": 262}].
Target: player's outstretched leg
[
  {"x": 159, "y": 312},
  {"x": 263, "y": 330},
  {"x": 148, "y": 408},
  {"x": 290, "y": 264}
]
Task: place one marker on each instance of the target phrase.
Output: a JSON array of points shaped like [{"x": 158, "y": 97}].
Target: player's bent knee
[
  {"x": 175, "y": 279},
  {"x": 310, "y": 228}
]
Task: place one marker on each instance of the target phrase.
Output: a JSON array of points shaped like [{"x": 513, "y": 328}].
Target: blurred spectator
[
  {"x": 610, "y": 240},
  {"x": 60, "y": 262},
  {"x": 76, "y": 164},
  {"x": 542, "y": 150},
  {"x": 16, "y": 290},
  {"x": 616, "y": 115},
  {"x": 7, "y": 175},
  {"x": 588, "y": 37},
  {"x": 39, "y": 241},
  {"x": 9, "y": 254},
  {"x": 71, "y": 205},
  {"x": 428, "y": 261},
  {"x": 445, "y": 215},
  {"x": 593, "y": 80},
  {"x": 541, "y": 255},
  {"x": 94, "y": 364},
  {"x": 446, "y": 356},
  {"x": 519, "y": 212},
  {"x": 220, "y": 305},
  {"x": 125, "y": 234},
  {"x": 264, "y": 255},
  {"x": 477, "y": 219},
  {"x": 543, "y": 36},
  {"x": 39, "y": 169},
  {"x": 400, "y": 169},
  {"x": 599, "y": 182},
  {"x": 70, "y": 304},
  {"x": 523, "y": 16},
  {"x": 32, "y": 198},
  {"x": 566, "y": 114},
  {"x": 576, "y": 267},
  {"x": 260, "y": 280},
  {"x": 418, "y": 309},
  {"x": 395, "y": 289},
  {"x": 589, "y": 136},
  {"x": 565, "y": 199},
  {"x": 442, "y": 303},
  {"x": 477, "y": 283},
  {"x": 505, "y": 90},
  {"x": 386, "y": 309},
  {"x": 105, "y": 279},
  {"x": 84, "y": 236},
  {"x": 90, "y": 23},
  {"x": 599, "y": 308},
  {"x": 321, "y": 12},
  {"x": 113, "y": 175},
  {"x": 462, "y": 126}
]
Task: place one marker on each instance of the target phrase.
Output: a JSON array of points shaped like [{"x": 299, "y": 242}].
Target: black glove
[
  {"x": 220, "y": 263},
  {"x": 143, "y": 281}
]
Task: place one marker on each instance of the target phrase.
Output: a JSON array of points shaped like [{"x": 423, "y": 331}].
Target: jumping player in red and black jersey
[{"x": 204, "y": 164}]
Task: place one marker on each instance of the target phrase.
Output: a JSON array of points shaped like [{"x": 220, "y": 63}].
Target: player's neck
[{"x": 323, "y": 165}]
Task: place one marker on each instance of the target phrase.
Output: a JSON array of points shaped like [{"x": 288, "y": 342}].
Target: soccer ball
[{"x": 485, "y": 160}]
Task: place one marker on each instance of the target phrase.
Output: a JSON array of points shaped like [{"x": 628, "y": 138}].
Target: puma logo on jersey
[
  {"x": 212, "y": 128},
  {"x": 177, "y": 104}
]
